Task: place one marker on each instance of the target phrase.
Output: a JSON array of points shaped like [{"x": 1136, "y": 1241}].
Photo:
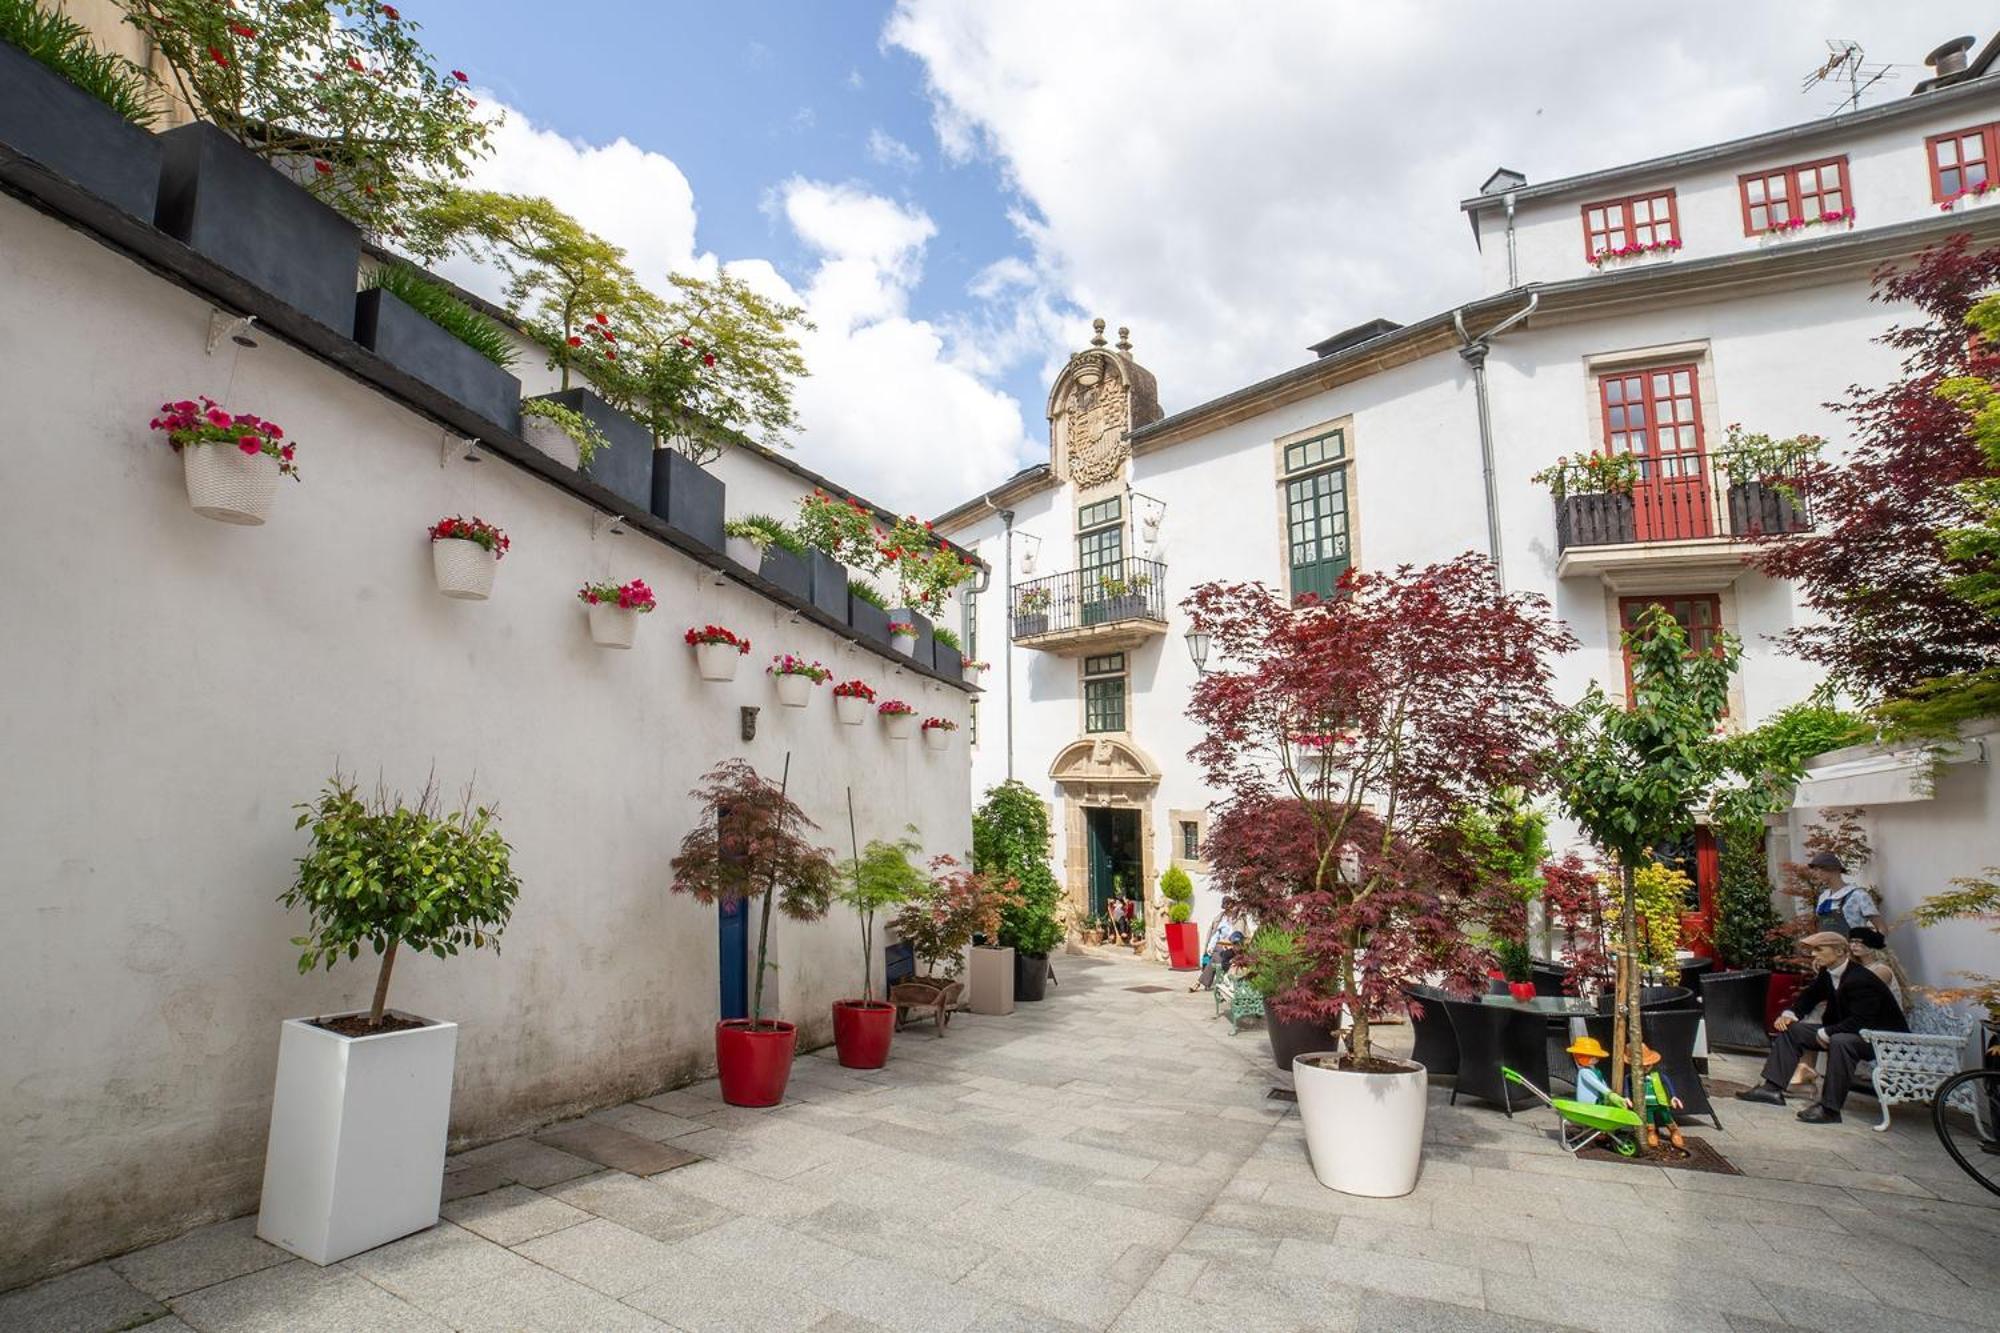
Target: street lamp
[{"x": 1197, "y": 642}]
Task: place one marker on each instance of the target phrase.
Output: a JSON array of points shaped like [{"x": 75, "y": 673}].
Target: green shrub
[
  {"x": 1278, "y": 961},
  {"x": 435, "y": 302},
  {"x": 868, "y": 593},
  {"x": 948, "y": 637},
  {"x": 1514, "y": 960},
  {"x": 1746, "y": 920},
  {"x": 1178, "y": 890},
  {"x": 1010, "y": 836},
  {"x": 64, "y": 46}
]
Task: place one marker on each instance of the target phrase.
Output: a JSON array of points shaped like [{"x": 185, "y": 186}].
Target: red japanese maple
[{"x": 1422, "y": 691}]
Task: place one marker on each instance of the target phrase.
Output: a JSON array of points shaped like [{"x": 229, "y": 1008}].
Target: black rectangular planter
[
  {"x": 788, "y": 572},
  {"x": 424, "y": 351},
  {"x": 867, "y": 618},
  {"x": 232, "y": 207},
  {"x": 1595, "y": 519},
  {"x": 51, "y": 122},
  {"x": 626, "y": 468},
  {"x": 925, "y": 652},
  {"x": 687, "y": 496},
  {"x": 829, "y": 582},
  {"x": 1757, "y": 509},
  {"x": 949, "y": 660},
  {"x": 1031, "y": 623}
]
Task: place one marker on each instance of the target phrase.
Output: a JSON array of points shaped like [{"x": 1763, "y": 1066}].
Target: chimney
[{"x": 1949, "y": 59}]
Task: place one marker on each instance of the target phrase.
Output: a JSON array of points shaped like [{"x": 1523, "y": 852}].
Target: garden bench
[
  {"x": 1240, "y": 998},
  {"x": 1909, "y": 1066}
]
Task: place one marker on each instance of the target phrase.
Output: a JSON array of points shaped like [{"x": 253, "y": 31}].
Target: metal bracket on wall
[
  {"x": 603, "y": 523},
  {"x": 239, "y": 329},
  {"x": 456, "y": 446}
]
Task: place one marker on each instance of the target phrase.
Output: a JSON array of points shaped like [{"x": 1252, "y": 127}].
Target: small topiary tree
[
  {"x": 1178, "y": 890},
  {"x": 386, "y": 874},
  {"x": 956, "y": 903}
]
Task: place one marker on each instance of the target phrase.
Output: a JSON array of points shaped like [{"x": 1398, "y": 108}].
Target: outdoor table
[{"x": 1556, "y": 1006}]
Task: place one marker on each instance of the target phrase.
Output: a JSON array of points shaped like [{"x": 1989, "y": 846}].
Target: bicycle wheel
[{"x": 1966, "y": 1112}]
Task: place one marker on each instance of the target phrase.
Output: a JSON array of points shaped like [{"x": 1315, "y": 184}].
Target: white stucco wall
[{"x": 175, "y": 685}]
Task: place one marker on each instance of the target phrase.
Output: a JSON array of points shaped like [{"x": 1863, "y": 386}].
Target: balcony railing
[
  {"x": 1722, "y": 501},
  {"x": 1123, "y": 590}
]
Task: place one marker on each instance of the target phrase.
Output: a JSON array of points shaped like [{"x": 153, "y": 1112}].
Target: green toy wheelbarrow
[{"x": 1583, "y": 1123}]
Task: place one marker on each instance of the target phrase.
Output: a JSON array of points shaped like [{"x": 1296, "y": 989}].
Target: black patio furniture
[
  {"x": 1733, "y": 1003},
  {"x": 1492, "y": 1035},
  {"x": 1436, "y": 1047}
]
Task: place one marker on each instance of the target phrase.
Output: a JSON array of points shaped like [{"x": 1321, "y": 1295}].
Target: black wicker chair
[
  {"x": 1691, "y": 975},
  {"x": 1430, "y": 1024},
  {"x": 1548, "y": 977},
  {"x": 1490, "y": 1035},
  {"x": 1733, "y": 1004},
  {"x": 1671, "y": 1033}
]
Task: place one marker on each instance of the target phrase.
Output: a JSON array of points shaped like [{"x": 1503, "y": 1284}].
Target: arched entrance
[{"x": 1108, "y": 784}]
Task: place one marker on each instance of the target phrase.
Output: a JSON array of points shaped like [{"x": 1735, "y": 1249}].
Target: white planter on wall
[
  {"x": 464, "y": 568},
  {"x": 899, "y": 725},
  {"x": 228, "y": 485},
  {"x": 356, "y": 1156},
  {"x": 906, "y": 644},
  {"x": 552, "y": 440},
  {"x": 744, "y": 552},
  {"x": 717, "y": 661},
  {"x": 1364, "y": 1132},
  {"x": 613, "y": 626},
  {"x": 936, "y": 738},
  {"x": 970, "y": 675},
  {"x": 851, "y": 709},
  {"x": 794, "y": 690}
]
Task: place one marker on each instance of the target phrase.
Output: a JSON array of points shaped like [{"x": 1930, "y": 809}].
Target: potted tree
[
  {"x": 879, "y": 879},
  {"x": 230, "y": 461},
  {"x": 363, "y": 1100},
  {"x": 898, "y": 718},
  {"x": 464, "y": 555},
  {"x": 1183, "y": 938},
  {"x": 1010, "y": 839},
  {"x": 716, "y": 651},
  {"x": 937, "y": 732},
  {"x": 615, "y": 609},
  {"x": 1516, "y": 967},
  {"x": 795, "y": 677},
  {"x": 1366, "y": 867},
  {"x": 750, "y": 843},
  {"x": 938, "y": 924},
  {"x": 851, "y": 699}
]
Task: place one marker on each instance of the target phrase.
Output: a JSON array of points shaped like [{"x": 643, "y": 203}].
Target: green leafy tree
[
  {"x": 1969, "y": 899},
  {"x": 1746, "y": 919},
  {"x": 1178, "y": 890},
  {"x": 341, "y": 91},
  {"x": 1010, "y": 840},
  {"x": 876, "y": 880},
  {"x": 386, "y": 874}
]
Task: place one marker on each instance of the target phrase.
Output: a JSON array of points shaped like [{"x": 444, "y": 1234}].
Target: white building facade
[{"x": 1415, "y": 443}]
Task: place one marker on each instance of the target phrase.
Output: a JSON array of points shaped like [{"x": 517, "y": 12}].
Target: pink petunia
[{"x": 250, "y": 444}]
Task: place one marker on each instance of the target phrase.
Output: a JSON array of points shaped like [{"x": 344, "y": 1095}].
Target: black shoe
[
  {"x": 1820, "y": 1115},
  {"x": 1766, "y": 1094}
]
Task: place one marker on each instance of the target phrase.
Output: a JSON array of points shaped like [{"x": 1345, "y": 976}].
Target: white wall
[{"x": 174, "y": 685}]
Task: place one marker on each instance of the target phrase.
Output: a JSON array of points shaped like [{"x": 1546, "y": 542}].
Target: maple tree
[{"x": 1350, "y": 735}]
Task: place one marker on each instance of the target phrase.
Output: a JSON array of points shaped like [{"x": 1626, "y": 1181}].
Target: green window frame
[
  {"x": 1100, "y": 542},
  {"x": 1104, "y": 692},
  {"x": 1318, "y": 548},
  {"x": 969, "y": 629}
]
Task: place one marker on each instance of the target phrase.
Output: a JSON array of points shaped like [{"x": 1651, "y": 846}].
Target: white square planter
[
  {"x": 358, "y": 1129},
  {"x": 990, "y": 981}
]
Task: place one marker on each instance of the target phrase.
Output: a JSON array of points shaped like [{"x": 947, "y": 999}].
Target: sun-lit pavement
[{"x": 1105, "y": 1159}]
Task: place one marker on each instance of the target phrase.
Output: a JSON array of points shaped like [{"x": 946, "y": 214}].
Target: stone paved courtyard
[{"x": 1106, "y": 1159}]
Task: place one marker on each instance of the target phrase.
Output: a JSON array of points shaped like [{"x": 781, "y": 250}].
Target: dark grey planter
[
  {"x": 1756, "y": 509},
  {"x": 1597, "y": 519},
  {"x": 1733, "y": 1004},
  {"x": 230, "y": 206},
  {"x": 1028, "y": 625},
  {"x": 1031, "y": 976},
  {"x": 626, "y": 468},
  {"x": 925, "y": 652},
  {"x": 948, "y": 660},
  {"x": 424, "y": 351},
  {"x": 1108, "y": 610},
  {"x": 1292, "y": 1037},
  {"x": 829, "y": 582},
  {"x": 868, "y": 619},
  {"x": 51, "y": 122},
  {"x": 788, "y": 571},
  {"x": 688, "y": 497}
]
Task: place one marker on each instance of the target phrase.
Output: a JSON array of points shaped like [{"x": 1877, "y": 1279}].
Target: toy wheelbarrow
[{"x": 1583, "y": 1123}]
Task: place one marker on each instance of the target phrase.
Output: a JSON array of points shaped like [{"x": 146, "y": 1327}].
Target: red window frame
[
  {"x": 1654, "y": 463},
  {"x": 1795, "y": 196},
  {"x": 1701, "y": 629},
  {"x": 1619, "y": 226},
  {"x": 1988, "y": 137}
]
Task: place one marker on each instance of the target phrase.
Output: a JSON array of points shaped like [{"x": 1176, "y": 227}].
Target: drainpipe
[
  {"x": 1474, "y": 351},
  {"x": 1006, "y": 622},
  {"x": 1513, "y": 270}
]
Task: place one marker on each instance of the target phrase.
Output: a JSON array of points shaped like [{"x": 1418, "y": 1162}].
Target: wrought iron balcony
[
  {"x": 1086, "y": 610},
  {"x": 1716, "y": 507}
]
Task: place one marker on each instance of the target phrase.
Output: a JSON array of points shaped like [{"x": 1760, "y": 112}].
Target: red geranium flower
[
  {"x": 708, "y": 358},
  {"x": 575, "y": 341},
  {"x": 243, "y": 30},
  {"x": 389, "y": 12},
  {"x": 459, "y": 74},
  {"x": 323, "y": 168},
  {"x": 218, "y": 57}
]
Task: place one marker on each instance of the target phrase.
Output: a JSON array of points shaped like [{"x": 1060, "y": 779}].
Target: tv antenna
[{"x": 1846, "y": 63}]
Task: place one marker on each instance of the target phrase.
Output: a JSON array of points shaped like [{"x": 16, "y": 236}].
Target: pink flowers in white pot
[
  {"x": 903, "y": 636},
  {"x": 464, "y": 554},
  {"x": 716, "y": 651},
  {"x": 231, "y": 462},
  {"x": 898, "y": 718},
  {"x": 796, "y": 678},
  {"x": 615, "y": 609}
]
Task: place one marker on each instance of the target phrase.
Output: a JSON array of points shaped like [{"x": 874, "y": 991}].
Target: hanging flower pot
[
  {"x": 464, "y": 555},
  {"x": 615, "y": 610},
  {"x": 903, "y": 637},
  {"x": 969, "y": 672},
  {"x": 898, "y": 719},
  {"x": 796, "y": 678},
  {"x": 937, "y": 732},
  {"x": 230, "y": 462},
  {"x": 716, "y": 651},
  {"x": 850, "y": 701}
]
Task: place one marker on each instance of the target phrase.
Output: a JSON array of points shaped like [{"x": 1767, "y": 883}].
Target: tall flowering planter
[
  {"x": 230, "y": 462},
  {"x": 796, "y": 677},
  {"x": 465, "y": 553},
  {"x": 615, "y": 609},
  {"x": 717, "y": 651}
]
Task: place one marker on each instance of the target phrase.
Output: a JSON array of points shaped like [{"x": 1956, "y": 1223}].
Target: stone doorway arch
[{"x": 1108, "y": 772}]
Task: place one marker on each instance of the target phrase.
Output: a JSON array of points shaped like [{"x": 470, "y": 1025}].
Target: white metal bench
[{"x": 1909, "y": 1066}]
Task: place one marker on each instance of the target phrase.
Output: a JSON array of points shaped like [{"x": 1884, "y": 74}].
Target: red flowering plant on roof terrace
[
  {"x": 1435, "y": 683},
  {"x": 205, "y": 422}
]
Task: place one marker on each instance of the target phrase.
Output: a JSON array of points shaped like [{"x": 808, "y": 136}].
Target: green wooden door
[
  {"x": 1316, "y": 531},
  {"x": 1101, "y": 866}
]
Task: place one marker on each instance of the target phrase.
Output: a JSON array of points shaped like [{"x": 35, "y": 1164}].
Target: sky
[{"x": 954, "y": 188}]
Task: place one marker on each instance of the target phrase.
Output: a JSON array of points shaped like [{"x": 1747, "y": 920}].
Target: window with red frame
[
  {"x": 1961, "y": 161},
  {"x": 1640, "y": 219},
  {"x": 1652, "y": 415},
  {"x": 1699, "y": 614},
  {"x": 1807, "y": 191}
]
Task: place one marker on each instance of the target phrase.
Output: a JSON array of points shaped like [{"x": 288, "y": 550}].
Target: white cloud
[
  {"x": 1238, "y": 185},
  {"x": 890, "y": 151}
]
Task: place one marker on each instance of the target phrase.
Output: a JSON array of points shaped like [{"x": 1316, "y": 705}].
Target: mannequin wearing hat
[
  {"x": 1591, "y": 1087},
  {"x": 1856, "y": 1000},
  {"x": 1840, "y": 906},
  {"x": 1661, "y": 1103}
]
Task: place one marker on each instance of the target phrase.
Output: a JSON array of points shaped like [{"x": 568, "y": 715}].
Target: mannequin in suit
[{"x": 1855, "y": 999}]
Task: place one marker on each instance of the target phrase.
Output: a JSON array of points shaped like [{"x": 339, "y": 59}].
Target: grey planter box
[
  {"x": 1030, "y": 623},
  {"x": 51, "y": 122},
  {"x": 949, "y": 661},
  {"x": 788, "y": 572},
  {"x": 1756, "y": 509},
  {"x": 626, "y": 468},
  {"x": 424, "y": 351},
  {"x": 1597, "y": 519},
  {"x": 688, "y": 497},
  {"x": 926, "y": 651},
  {"x": 228, "y": 205},
  {"x": 867, "y": 618},
  {"x": 829, "y": 582}
]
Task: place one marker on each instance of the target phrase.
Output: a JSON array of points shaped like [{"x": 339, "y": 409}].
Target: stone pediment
[{"x": 1104, "y": 762}]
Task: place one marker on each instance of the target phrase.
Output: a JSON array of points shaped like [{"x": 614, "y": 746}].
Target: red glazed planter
[
  {"x": 1183, "y": 946},
  {"x": 1521, "y": 990},
  {"x": 754, "y": 1066},
  {"x": 862, "y": 1030}
]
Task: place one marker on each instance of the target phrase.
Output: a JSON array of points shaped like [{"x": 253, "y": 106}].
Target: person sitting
[
  {"x": 1591, "y": 1087},
  {"x": 1870, "y": 948},
  {"x": 1219, "y": 960},
  {"x": 1114, "y": 916},
  {"x": 1855, "y": 999}
]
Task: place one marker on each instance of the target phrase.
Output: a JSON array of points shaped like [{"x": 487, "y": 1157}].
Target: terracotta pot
[
  {"x": 862, "y": 1030},
  {"x": 754, "y": 1066},
  {"x": 1183, "y": 946}
]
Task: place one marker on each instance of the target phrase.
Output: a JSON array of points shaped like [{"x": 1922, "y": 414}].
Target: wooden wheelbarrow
[{"x": 919, "y": 998}]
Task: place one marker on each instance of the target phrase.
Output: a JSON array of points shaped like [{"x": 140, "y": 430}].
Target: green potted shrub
[
  {"x": 418, "y": 325},
  {"x": 1516, "y": 967},
  {"x": 1183, "y": 937},
  {"x": 750, "y": 844},
  {"x": 879, "y": 879},
  {"x": 1010, "y": 838},
  {"x": 363, "y": 1100}
]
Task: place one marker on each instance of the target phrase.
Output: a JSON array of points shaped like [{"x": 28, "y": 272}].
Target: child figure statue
[
  {"x": 1660, "y": 1103},
  {"x": 1591, "y": 1087}
]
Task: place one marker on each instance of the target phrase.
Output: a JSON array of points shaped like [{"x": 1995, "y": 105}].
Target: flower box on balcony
[
  {"x": 49, "y": 121},
  {"x": 228, "y": 205},
  {"x": 626, "y": 467},
  {"x": 1109, "y": 610},
  {"x": 1031, "y": 623},
  {"x": 868, "y": 619},
  {"x": 1600, "y": 518},
  {"x": 1757, "y": 507},
  {"x": 423, "y": 350}
]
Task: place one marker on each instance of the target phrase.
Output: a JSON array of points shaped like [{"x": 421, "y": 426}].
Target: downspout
[
  {"x": 1474, "y": 351},
  {"x": 1006, "y": 622},
  {"x": 1513, "y": 270}
]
